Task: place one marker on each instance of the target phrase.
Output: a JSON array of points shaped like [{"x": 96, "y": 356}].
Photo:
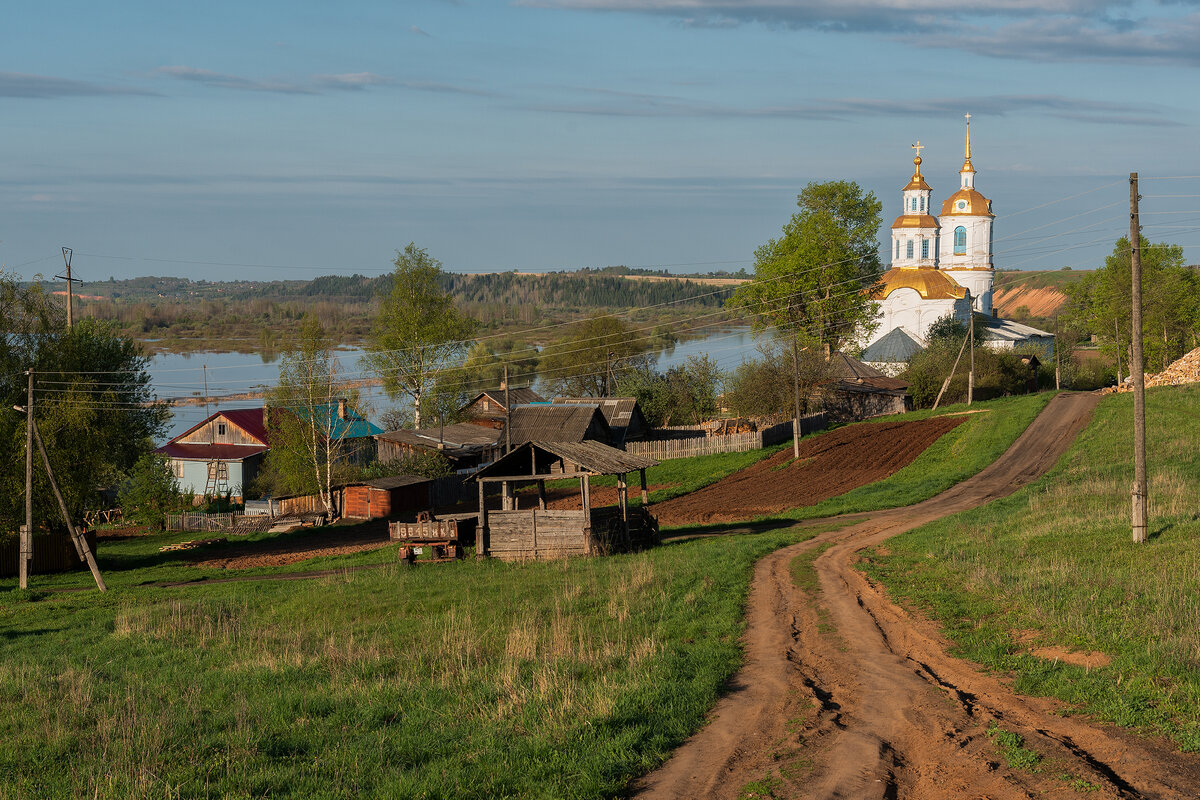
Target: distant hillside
[{"x": 1032, "y": 295}]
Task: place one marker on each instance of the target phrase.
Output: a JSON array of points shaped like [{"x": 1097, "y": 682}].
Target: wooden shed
[
  {"x": 380, "y": 498},
  {"x": 515, "y": 534}
]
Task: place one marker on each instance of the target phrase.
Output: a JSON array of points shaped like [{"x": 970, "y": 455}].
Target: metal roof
[
  {"x": 460, "y": 434},
  {"x": 249, "y": 420},
  {"x": 893, "y": 347},
  {"x": 594, "y": 458},
  {"x": 208, "y": 452},
  {"x": 392, "y": 482}
]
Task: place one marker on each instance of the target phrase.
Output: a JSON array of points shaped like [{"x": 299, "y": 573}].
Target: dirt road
[{"x": 844, "y": 695}]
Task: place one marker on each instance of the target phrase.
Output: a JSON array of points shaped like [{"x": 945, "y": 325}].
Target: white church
[{"x": 941, "y": 266}]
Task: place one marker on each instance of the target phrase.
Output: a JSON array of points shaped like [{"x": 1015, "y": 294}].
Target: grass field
[
  {"x": 1053, "y": 566},
  {"x": 473, "y": 679}
]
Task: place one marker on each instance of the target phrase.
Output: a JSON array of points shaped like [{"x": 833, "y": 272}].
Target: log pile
[{"x": 1185, "y": 370}]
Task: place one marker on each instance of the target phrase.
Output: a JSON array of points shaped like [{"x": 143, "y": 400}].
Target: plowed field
[{"x": 829, "y": 465}]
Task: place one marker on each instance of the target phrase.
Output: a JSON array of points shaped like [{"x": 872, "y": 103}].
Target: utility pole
[
  {"x": 1057, "y": 360},
  {"x": 77, "y": 538},
  {"x": 26, "y": 548},
  {"x": 971, "y": 374},
  {"x": 507, "y": 415},
  {"x": 1137, "y": 369},
  {"x": 796, "y": 391},
  {"x": 1117, "y": 339},
  {"x": 67, "y": 253}
]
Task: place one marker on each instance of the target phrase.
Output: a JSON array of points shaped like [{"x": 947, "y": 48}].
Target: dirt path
[{"x": 850, "y": 697}]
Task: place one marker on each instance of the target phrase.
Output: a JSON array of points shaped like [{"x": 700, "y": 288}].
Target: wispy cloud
[
  {"x": 1159, "y": 31},
  {"x": 19, "y": 84},
  {"x": 628, "y": 104},
  {"x": 221, "y": 80},
  {"x": 352, "y": 81}
]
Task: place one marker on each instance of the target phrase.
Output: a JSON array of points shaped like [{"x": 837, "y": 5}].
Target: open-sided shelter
[
  {"x": 539, "y": 532},
  {"x": 543, "y": 422}
]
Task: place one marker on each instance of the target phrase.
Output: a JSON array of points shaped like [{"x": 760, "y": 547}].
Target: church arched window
[
  {"x": 909, "y": 249},
  {"x": 924, "y": 248},
  {"x": 897, "y": 248},
  {"x": 922, "y": 205},
  {"x": 960, "y": 241}
]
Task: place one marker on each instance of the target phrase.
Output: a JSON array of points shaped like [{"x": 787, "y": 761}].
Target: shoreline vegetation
[{"x": 179, "y": 315}]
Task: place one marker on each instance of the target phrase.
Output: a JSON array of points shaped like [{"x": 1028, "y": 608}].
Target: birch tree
[{"x": 419, "y": 331}]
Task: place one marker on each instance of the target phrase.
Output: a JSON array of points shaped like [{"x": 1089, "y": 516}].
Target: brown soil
[
  {"x": 570, "y": 499},
  {"x": 334, "y": 540},
  {"x": 846, "y": 695},
  {"x": 829, "y": 465},
  {"x": 1041, "y": 302}
]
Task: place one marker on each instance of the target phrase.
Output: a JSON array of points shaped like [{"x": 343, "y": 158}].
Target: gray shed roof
[
  {"x": 561, "y": 423},
  {"x": 594, "y": 458}
]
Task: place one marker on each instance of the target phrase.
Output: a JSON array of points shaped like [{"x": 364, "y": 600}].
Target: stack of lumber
[
  {"x": 1185, "y": 370},
  {"x": 192, "y": 545}
]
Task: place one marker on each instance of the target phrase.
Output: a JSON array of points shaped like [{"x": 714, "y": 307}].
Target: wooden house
[
  {"x": 623, "y": 415},
  {"x": 221, "y": 454},
  {"x": 556, "y": 423},
  {"x": 515, "y": 534},
  {"x": 489, "y": 408},
  {"x": 466, "y": 446},
  {"x": 858, "y": 391}
]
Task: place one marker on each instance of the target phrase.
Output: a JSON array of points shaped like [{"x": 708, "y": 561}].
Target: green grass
[
  {"x": 1056, "y": 559},
  {"x": 1012, "y": 747},
  {"x": 561, "y": 679}
]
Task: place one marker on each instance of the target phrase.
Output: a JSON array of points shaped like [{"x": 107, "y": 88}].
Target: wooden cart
[{"x": 440, "y": 535}]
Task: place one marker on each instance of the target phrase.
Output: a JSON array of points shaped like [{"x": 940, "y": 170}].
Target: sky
[{"x": 277, "y": 140}]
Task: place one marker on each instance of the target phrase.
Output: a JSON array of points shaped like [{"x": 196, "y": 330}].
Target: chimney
[{"x": 341, "y": 408}]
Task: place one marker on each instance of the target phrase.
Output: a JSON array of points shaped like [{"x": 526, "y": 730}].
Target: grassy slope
[
  {"x": 1038, "y": 279},
  {"x": 473, "y": 680},
  {"x": 1056, "y": 558}
]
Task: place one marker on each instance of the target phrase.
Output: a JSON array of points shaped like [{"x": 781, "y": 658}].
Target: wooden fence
[
  {"x": 196, "y": 521},
  {"x": 700, "y": 445},
  {"x": 52, "y": 552}
]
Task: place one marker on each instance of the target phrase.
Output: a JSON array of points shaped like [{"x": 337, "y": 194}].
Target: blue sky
[{"x": 291, "y": 139}]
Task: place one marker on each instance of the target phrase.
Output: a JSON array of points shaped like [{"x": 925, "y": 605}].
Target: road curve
[{"x": 850, "y": 697}]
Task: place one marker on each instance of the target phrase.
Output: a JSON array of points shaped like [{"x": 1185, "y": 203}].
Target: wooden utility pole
[
  {"x": 1137, "y": 369},
  {"x": 507, "y": 415},
  {"x": 1057, "y": 359},
  {"x": 796, "y": 388},
  {"x": 77, "y": 538},
  {"x": 1117, "y": 339},
  {"x": 26, "y": 548}
]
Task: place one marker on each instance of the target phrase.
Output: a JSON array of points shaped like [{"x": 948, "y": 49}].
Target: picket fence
[
  {"x": 700, "y": 445},
  {"x": 196, "y": 521}
]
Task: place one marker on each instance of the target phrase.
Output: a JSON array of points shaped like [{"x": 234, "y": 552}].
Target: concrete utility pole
[
  {"x": 1137, "y": 369},
  {"x": 971, "y": 374},
  {"x": 26, "y": 554}
]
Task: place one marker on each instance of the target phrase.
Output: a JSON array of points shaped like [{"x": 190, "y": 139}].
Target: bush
[{"x": 150, "y": 491}]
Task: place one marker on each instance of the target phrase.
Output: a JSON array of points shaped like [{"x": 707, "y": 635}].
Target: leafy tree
[
  {"x": 430, "y": 464},
  {"x": 684, "y": 394},
  {"x": 92, "y": 403},
  {"x": 1101, "y": 303},
  {"x": 419, "y": 331},
  {"x": 814, "y": 284},
  {"x": 947, "y": 328},
  {"x": 484, "y": 368},
  {"x": 765, "y": 386},
  {"x": 150, "y": 491},
  {"x": 309, "y": 444},
  {"x": 593, "y": 358}
]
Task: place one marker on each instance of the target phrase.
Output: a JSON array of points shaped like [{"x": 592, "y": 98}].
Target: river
[{"x": 180, "y": 375}]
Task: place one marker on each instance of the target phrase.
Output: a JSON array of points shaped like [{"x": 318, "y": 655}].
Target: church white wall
[
  {"x": 904, "y": 308},
  {"x": 979, "y": 242},
  {"x": 979, "y": 283}
]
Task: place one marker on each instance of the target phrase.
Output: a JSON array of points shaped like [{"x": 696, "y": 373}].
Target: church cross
[{"x": 918, "y": 147}]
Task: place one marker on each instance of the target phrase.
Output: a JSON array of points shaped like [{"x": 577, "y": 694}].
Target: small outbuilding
[
  {"x": 514, "y": 534},
  {"x": 380, "y": 498},
  {"x": 543, "y": 422},
  {"x": 623, "y": 415},
  {"x": 490, "y": 407}
]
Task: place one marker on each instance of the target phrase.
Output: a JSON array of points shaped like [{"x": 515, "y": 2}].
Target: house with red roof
[
  {"x": 225, "y": 452},
  {"x": 222, "y": 453}
]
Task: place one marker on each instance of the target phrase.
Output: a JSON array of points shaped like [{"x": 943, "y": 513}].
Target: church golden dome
[
  {"x": 914, "y": 221},
  {"x": 931, "y": 284},
  {"x": 967, "y": 202}
]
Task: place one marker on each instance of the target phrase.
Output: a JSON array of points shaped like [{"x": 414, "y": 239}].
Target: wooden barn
[
  {"x": 466, "y": 446},
  {"x": 489, "y": 408},
  {"x": 515, "y": 534},
  {"x": 623, "y": 415},
  {"x": 380, "y": 498},
  {"x": 556, "y": 423}
]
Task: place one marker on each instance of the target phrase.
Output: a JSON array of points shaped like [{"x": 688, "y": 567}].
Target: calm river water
[{"x": 184, "y": 375}]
